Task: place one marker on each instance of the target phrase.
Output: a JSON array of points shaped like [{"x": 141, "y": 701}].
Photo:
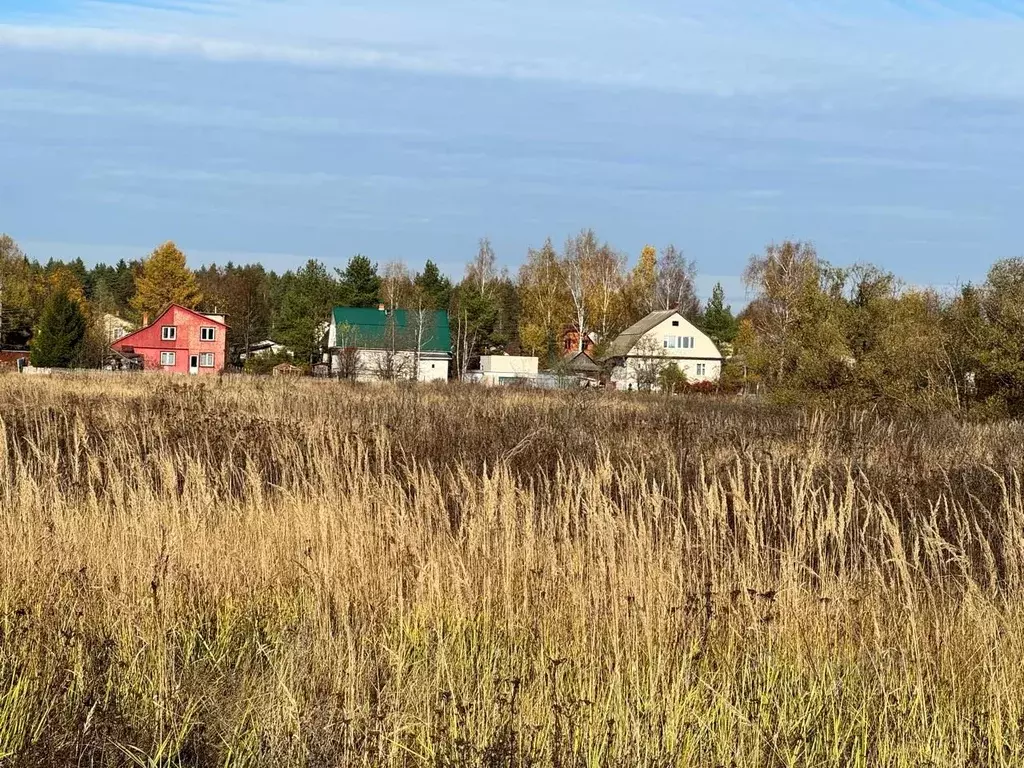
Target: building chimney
[
  {"x": 145, "y": 319},
  {"x": 381, "y": 308}
]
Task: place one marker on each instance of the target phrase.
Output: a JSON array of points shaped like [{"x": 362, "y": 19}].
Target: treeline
[
  {"x": 859, "y": 334},
  {"x": 811, "y": 332},
  {"x": 587, "y": 284}
]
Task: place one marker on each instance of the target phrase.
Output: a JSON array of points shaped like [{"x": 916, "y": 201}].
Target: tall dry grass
[{"x": 306, "y": 574}]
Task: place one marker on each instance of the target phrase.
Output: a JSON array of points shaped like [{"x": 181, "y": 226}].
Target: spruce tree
[{"x": 60, "y": 336}]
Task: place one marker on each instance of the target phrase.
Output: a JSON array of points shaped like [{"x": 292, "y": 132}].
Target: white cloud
[
  {"x": 85, "y": 104},
  {"x": 911, "y": 212},
  {"x": 730, "y": 47}
]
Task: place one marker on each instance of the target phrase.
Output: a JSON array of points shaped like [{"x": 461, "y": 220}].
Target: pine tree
[
  {"x": 434, "y": 287},
  {"x": 361, "y": 282},
  {"x": 165, "y": 279},
  {"x": 306, "y": 305},
  {"x": 58, "y": 340},
  {"x": 718, "y": 321}
]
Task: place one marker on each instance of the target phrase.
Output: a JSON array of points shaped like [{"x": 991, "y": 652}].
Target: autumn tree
[
  {"x": 638, "y": 292},
  {"x": 1000, "y": 348},
  {"x": 165, "y": 279},
  {"x": 16, "y": 301},
  {"x": 580, "y": 254},
  {"x": 483, "y": 269},
  {"x": 786, "y": 284},
  {"x": 675, "y": 283},
  {"x": 243, "y": 294},
  {"x": 672, "y": 379},
  {"x": 966, "y": 343},
  {"x": 422, "y": 324},
  {"x": 605, "y": 280},
  {"x": 65, "y": 280},
  {"x": 247, "y": 304},
  {"x": 648, "y": 362},
  {"x": 895, "y": 341},
  {"x": 484, "y": 310},
  {"x": 475, "y": 317},
  {"x": 544, "y": 299},
  {"x": 396, "y": 288}
]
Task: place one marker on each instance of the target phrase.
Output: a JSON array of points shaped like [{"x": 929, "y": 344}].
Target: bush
[
  {"x": 263, "y": 365},
  {"x": 704, "y": 388}
]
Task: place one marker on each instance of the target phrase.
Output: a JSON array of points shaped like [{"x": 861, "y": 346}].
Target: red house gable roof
[{"x": 164, "y": 314}]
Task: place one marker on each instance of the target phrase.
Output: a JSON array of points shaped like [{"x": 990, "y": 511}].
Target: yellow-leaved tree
[
  {"x": 545, "y": 302},
  {"x": 165, "y": 279}
]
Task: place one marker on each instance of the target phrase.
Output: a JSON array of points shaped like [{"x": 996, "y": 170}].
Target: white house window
[
  {"x": 167, "y": 358},
  {"x": 169, "y": 333},
  {"x": 206, "y": 360},
  {"x": 702, "y": 369},
  {"x": 118, "y": 333},
  {"x": 207, "y": 334},
  {"x": 675, "y": 323},
  {"x": 670, "y": 342}
]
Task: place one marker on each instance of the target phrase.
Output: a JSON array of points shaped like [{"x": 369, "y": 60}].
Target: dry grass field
[{"x": 264, "y": 573}]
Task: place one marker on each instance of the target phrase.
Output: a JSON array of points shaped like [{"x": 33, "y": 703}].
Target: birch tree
[
  {"x": 396, "y": 285},
  {"x": 605, "y": 281},
  {"x": 794, "y": 317},
  {"x": 675, "y": 283},
  {"x": 421, "y": 323},
  {"x": 542, "y": 291},
  {"x": 483, "y": 270},
  {"x": 580, "y": 254}
]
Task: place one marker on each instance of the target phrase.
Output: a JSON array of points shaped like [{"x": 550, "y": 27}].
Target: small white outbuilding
[{"x": 505, "y": 370}]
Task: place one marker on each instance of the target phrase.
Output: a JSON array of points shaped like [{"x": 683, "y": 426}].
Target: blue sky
[{"x": 278, "y": 130}]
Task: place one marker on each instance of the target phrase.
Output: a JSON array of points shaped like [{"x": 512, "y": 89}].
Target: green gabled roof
[{"x": 368, "y": 328}]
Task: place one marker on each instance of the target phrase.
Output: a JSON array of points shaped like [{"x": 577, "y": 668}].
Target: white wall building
[
  {"x": 374, "y": 344},
  {"x": 662, "y": 338},
  {"x": 505, "y": 370},
  {"x": 375, "y": 365},
  {"x": 115, "y": 327}
]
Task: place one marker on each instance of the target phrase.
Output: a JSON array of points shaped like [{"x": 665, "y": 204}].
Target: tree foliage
[
  {"x": 360, "y": 282},
  {"x": 165, "y": 279},
  {"x": 718, "y": 321},
  {"x": 16, "y": 300},
  {"x": 811, "y": 331},
  {"x": 310, "y": 296},
  {"x": 434, "y": 288},
  {"x": 61, "y": 333},
  {"x": 544, "y": 300}
]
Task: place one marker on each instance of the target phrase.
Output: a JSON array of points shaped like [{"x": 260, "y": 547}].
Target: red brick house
[
  {"x": 179, "y": 341},
  {"x": 571, "y": 341}
]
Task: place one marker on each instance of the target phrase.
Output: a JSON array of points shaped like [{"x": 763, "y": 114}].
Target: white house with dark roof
[{"x": 640, "y": 352}]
